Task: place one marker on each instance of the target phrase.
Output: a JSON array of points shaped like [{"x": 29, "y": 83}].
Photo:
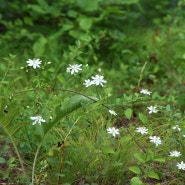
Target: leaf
[
  {"x": 153, "y": 175},
  {"x": 159, "y": 159},
  {"x": 39, "y": 46},
  {"x": 68, "y": 106},
  {"x": 85, "y": 23},
  {"x": 136, "y": 181},
  {"x": 140, "y": 157},
  {"x": 108, "y": 151},
  {"x": 88, "y": 5},
  {"x": 135, "y": 169},
  {"x": 128, "y": 113},
  {"x": 168, "y": 108},
  {"x": 143, "y": 118},
  {"x": 125, "y": 139}
]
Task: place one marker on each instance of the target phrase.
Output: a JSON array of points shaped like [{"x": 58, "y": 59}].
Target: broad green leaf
[
  {"x": 128, "y": 113},
  {"x": 149, "y": 155},
  {"x": 135, "y": 169},
  {"x": 88, "y": 5},
  {"x": 143, "y": 118},
  {"x": 136, "y": 181},
  {"x": 125, "y": 139},
  {"x": 153, "y": 175},
  {"x": 108, "y": 151},
  {"x": 159, "y": 159},
  {"x": 141, "y": 157},
  {"x": 85, "y": 23}
]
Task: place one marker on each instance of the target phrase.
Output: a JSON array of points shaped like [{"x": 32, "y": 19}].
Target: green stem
[
  {"x": 34, "y": 162},
  {"x": 141, "y": 76},
  {"x": 19, "y": 157},
  {"x": 62, "y": 148}
]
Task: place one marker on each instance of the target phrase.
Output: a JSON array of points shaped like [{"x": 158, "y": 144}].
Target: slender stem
[
  {"x": 141, "y": 76},
  {"x": 34, "y": 162},
  {"x": 61, "y": 160},
  {"x": 19, "y": 157},
  {"x": 71, "y": 129},
  {"x": 63, "y": 147}
]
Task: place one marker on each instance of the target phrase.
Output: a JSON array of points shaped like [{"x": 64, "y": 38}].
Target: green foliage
[{"x": 134, "y": 44}]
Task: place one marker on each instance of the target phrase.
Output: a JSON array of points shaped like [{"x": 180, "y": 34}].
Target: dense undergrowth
[{"x": 92, "y": 92}]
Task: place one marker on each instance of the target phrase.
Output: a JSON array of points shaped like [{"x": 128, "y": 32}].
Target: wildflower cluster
[
  {"x": 96, "y": 80},
  {"x": 99, "y": 80}
]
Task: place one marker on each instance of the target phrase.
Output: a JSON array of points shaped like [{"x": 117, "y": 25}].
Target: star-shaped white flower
[
  {"x": 181, "y": 166},
  {"x": 142, "y": 130},
  {"x": 152, "y": 109},
  {"x": 176, "y": 127},
  {"x": 34, "y": 63},
  {"x": 87, "y": 83},
  {"x": 156, "y": 140},
  {"x": 175, "y": 154},
  {"x": 113, "y": 131},
  {"x": 145, "y": 91},
  {"x": 113, "y": 112},
  {"x": 98, "y": 80},
  {"x": 37, "y": 119},
  {"x": 74, "y": 68}
]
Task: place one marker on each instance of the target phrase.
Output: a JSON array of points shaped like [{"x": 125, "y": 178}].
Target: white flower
[
  {"x": 74, "y": 68},
  {"x": 152, "y": 109},
  {"x": 113, "y": 131},
  {"x": 113, "y": 112},
  {"x": 87, "y": 83},
  {"x": 142, "y": 130},
  {"x": 37, "y": 119},
  {"x": 155, "y": 140},
  {"x": 98, "y": 80},
  {"x": 34, "y": 63},
  {"x": 181, "y": 166},
  {"x": 175, "y": 154},
  {"x": 145, "y": 91},
  {"x": 176, "y": 127}
]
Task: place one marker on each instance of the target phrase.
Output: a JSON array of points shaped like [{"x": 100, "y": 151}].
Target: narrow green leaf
[
  {"x": 14, "y": 128},
  {"x": 6, "y": 119}
]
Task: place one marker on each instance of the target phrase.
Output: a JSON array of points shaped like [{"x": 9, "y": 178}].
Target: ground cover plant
[{"x": 92, "y": 92}]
